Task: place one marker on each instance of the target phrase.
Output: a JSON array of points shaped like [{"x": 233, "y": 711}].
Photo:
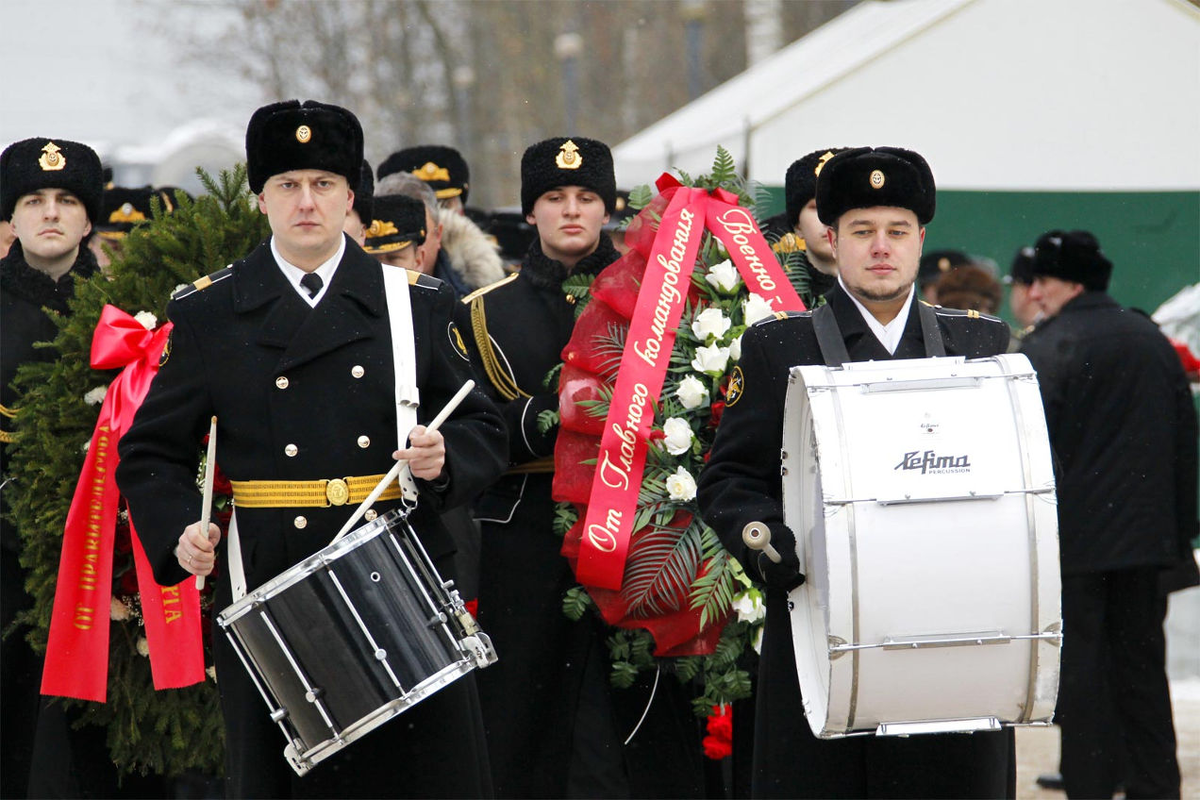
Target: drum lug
[
  {"x": 314, "y": 694},
  {"x": 836, "y": 645},
  {"x": 381, "y": 654},
  {"x": 299, "y": 764},
  {"x": 279, "y": 714}
]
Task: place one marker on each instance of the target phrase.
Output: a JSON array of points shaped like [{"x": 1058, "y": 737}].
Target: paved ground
[{"x": 1037, "y": 748}]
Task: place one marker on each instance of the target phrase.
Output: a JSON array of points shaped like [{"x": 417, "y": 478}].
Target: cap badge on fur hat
[
  {"x": 303, "y": 134},
  {"x": 432, "y": 172},
  {"x": 877, "y": 179},
  {"x": 568, "y": 156},
  {"x": 126, "y": 213},
  {"x": 52, "y": 158},
  {"x": 381, "y": 228},
  {"x": 821, "y": 162}
]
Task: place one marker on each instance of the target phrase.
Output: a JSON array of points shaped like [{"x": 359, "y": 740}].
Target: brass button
[
  {"x": 357, "y": 371},
  {"x": 291, "y": 450},
  {"x": 337, "y": 492},
  {"x": 281, "y": 382},
  {"x": 571, "y": 299},
  {"x": 364, "y": 442},
  {"x": 370, "y": 515},
  {"x": 300, "y": 522}
]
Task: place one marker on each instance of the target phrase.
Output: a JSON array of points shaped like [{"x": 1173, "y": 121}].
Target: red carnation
[{"x": 719, "y": 742}]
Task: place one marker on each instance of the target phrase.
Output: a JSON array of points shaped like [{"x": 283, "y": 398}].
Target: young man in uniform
[
  {"x": 555, "y": 726},
  {"x": 50, "y": 191},
  {"x": 398, "y": 231},
  {"x": 799, "y": 229},
  {"x": 876, "y": 203},
  {"x": 291, "y": 349}
]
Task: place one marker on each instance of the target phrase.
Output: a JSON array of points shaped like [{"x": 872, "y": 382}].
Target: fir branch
[{"x": 547, "y": 420}]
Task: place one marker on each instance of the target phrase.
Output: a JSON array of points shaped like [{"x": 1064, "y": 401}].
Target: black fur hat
[
  {"x": 865, "y": 177},
  {"x": 800, "y": 185},
  {"x": 399, "y": 222},
  {"x": 567, "y": 161},
  {"x": 1021, "y": 270},
  {"x": 1072, "y": 256},
  {"x": 124, "y": 207},
  {"x": 309, "y": 135},
  {"x": 364, "y": 197},
  {"x": 443, "y": 168},
  {"x": 32, "y": 164}
]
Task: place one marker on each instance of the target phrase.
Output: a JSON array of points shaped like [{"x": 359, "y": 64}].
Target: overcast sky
[{"x": 103, "y": 72}]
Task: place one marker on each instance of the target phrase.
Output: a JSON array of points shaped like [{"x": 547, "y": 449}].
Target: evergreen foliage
[{"x": 172, "y": 731}]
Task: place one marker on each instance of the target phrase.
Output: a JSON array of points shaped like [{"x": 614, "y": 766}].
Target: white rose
[
  {"x": 87, "y": 445},
  {"x": 118, "y": 610},
  {"x": 756, "y": 642},
  {"x": 735, "y": 349},
  {"x": 756, "y": 308},
  {"x": 211, "y": 672},
  {"x": 724, "y": 276},
  {"x": 180, "y": 286},
  {"x": 749, "y": 606},
  {"x": 692, "y": 392},
  {"x": 681, "y": 486},
  {"x": 678, "y": 436},
  {"x": 710, "y": 322},
  {"x": 148, "y": 320},
  {"x": 95, "y": 396},
  {"x": 712, "y": 359},
  {"x": 143, "y": 647}
]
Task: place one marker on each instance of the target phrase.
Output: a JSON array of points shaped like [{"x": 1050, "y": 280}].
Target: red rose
[
  {"x": 717, "y": 749},
  {"x": 718, "y": 408},
  {"x": 720, "y": 723},
  {"x": 472, "y": 606}
]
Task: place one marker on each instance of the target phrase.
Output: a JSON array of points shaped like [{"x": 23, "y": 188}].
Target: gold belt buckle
[{"x": 337, "y": 492}]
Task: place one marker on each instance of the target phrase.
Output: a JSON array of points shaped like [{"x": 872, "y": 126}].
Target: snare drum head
[{"x": 921, "y": 495}]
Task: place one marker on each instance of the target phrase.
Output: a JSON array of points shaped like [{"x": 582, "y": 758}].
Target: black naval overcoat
[
  {"x": 741, "y": 484},
  {"x": 550, "y": 688},
  {"x": 306, "y": 393}
]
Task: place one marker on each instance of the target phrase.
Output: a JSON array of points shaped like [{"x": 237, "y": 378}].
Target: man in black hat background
[
  {"x": 455, "y": 250},
  {"x": 50, "y": 193},
  {"x": 800, "y": 230},
  {"x": 1123, "y": 427},
  {"x": 555, "y": 726},
  {"x": 876, "y": 203},
  {"x": 362, "y": 210},
  {"x": 290, "y": 349}
]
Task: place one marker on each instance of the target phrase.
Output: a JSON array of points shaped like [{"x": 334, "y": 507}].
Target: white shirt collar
[
  {"x": 294, "y": 273},
  {"x": 888, "y": 335}
]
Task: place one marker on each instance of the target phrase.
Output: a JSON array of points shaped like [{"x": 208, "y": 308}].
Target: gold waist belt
[
  {"x": 541, "y": 465},
  {"x": 310, "y": 494}
]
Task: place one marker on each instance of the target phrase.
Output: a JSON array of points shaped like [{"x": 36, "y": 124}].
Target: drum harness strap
[
  {"x": 833, "y": 346},
  {"x": 339, "y": 491}
]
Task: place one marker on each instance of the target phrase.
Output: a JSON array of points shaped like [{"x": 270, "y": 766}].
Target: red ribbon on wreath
[
  {"x": 642, "y": 295},
  {"x": 77, "y": 650}
]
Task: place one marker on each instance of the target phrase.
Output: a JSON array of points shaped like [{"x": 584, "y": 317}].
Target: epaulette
[
  {"x": 424, "y": 281},
  {"x": 961, "y": 312},
  {"x": 481, "y": 291},
  {"x": 789, "y": 243},
  {"x": 201, "y": 284},
  {"x": 778, "y": 315}
]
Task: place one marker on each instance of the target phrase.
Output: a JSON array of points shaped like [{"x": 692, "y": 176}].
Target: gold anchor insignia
[
  {"x": 52, "y": 158},
  {"x": 303, "y": 134},
  {"x": 127, "y": 213},
  {"x": 821, "y": 162},
  {"x": 877, "y": 179},
  {"x": 456, "y": 342},
  {"x": 568, "y": 156},
  {"x": 432, "y": 172}
]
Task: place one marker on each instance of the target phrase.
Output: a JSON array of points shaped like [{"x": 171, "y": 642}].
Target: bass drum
[{"x": 922, "y": 497}]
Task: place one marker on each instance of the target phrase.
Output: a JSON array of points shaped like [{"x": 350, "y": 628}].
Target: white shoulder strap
[{"x": 404, "y": 359}]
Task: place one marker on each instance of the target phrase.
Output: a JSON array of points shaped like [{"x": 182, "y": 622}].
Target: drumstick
[
  {"x": 757, "y": 536},
  {"x": 210, "y": 463},
  {"x": 394, "y": 472}
]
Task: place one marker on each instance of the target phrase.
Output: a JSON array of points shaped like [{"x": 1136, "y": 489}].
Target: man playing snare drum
[
  {"x": 291, "y": 349},
  {"x": 875, "y": 203}
]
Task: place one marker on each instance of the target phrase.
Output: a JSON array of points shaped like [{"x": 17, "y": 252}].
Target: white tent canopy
[{"x": 1023, "y": 95}]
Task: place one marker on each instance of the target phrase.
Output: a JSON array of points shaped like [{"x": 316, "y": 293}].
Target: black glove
[{"x": 785, "y": 575}]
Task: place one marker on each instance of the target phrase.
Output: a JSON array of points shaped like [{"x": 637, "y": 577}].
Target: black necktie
[{"x": 313, "y": 283}]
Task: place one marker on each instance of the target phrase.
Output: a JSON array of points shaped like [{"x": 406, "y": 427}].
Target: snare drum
[
  {"x": 352, "y": 636},
  {"x": 922, "y": 497}
]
